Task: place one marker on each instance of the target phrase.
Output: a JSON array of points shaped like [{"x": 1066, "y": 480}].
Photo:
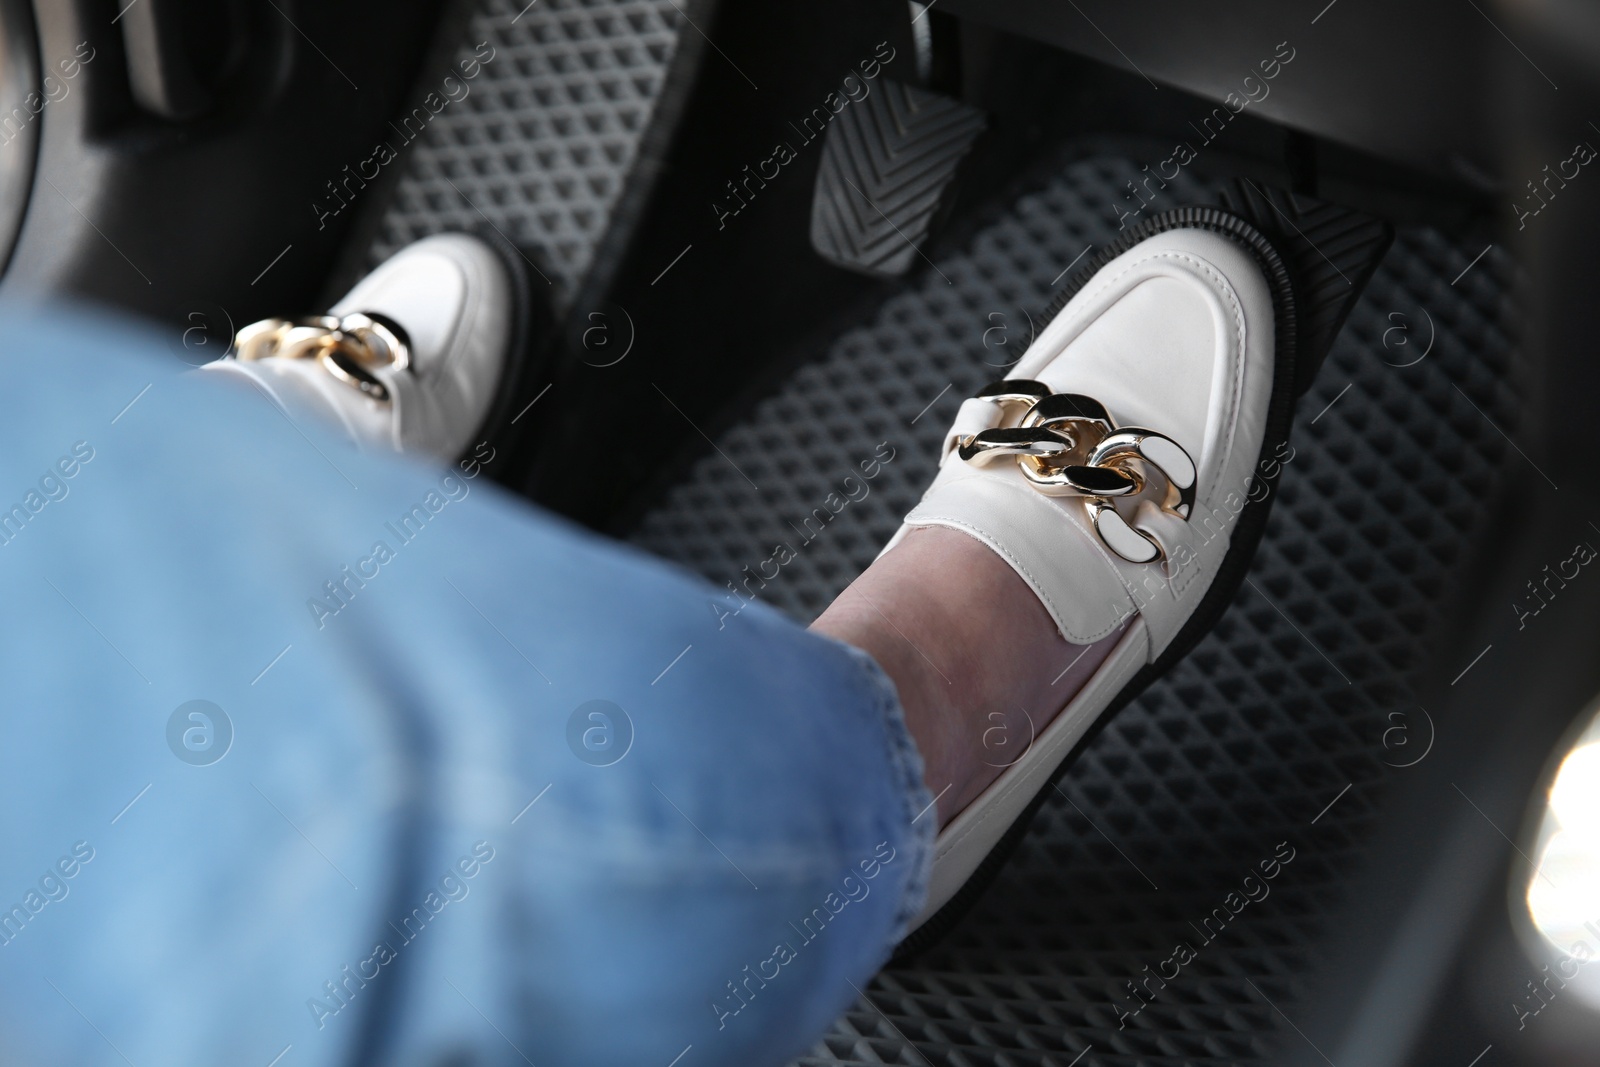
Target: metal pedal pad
[{"x": 888, "y": 163}]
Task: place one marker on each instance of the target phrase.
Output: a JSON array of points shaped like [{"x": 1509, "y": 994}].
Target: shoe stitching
[
  {"x": 1232, "y": 403},
  {"x": 1233, "y": 396},
  {"x": 1229, "y": 414},
  {"x": 1230, "y": 296}
]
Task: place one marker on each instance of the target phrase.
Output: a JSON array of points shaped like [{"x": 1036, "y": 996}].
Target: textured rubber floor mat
[
  {"x": 1264, "y": 751},
  {"x": 542, "y": 144}
]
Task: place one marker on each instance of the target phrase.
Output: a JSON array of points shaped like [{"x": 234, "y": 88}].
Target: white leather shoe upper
[
  {"x": 453, "y": 298},
  {"x": 1176, "y": 335}
]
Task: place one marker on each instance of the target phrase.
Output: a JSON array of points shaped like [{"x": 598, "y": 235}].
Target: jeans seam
[{"x": 905, "y": 761}]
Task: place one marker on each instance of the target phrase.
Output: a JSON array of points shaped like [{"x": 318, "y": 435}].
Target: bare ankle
[{"x": 977, "y": 661}]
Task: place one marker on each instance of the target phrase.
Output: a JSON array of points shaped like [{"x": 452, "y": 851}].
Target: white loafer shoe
[
  {"x": 410, "y": 360},
  {"x": 1123, "y": 469}
]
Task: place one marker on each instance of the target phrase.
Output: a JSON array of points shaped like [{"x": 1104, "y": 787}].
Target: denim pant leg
[{"x": 352, "y": 761}]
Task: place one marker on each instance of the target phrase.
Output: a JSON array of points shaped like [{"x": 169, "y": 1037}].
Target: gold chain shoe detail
[
  {"x": 349, "y": 348},
  {"x": 1067, "y": 444}
]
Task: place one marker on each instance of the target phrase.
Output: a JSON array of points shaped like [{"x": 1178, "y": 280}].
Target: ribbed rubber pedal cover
[
  {"x": 1330, "y": 251},
  {"x": 888, "y": 162}
]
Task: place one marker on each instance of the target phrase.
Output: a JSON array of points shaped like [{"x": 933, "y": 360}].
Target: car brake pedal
[{"x": 888, "y": 164}]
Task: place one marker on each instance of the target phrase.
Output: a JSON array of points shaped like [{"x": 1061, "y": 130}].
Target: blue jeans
[{"x": 354, "y": 761}]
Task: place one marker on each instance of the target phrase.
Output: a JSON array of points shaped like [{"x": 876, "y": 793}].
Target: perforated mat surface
[
  {"x": 541, "y": 145},
  {"x": 1244, "y": 752}
]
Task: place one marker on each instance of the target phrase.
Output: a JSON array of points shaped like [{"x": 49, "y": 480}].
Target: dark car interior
[{"x": 771, "y": 240}]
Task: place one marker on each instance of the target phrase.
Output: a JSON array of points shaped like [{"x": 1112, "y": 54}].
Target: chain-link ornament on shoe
[
  {"x": 418, "y": 358},
  {"x": 1067, "y": 444},
  {"x": 349, "y": 348}
]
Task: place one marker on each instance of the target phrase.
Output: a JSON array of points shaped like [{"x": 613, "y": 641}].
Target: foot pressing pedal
[{"x": 1330, "y": 251}]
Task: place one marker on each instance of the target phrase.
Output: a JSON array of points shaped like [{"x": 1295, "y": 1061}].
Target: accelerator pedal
[{"x": 1330, "y": 251}]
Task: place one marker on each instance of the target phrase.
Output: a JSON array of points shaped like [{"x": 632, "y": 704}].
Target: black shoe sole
[{"x": 529, "y": 352}]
